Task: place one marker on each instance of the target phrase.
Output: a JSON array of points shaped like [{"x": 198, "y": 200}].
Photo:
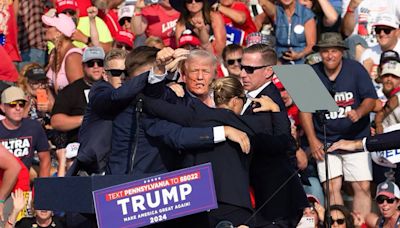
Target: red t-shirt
[
  {"x": 8, "y": 72},
  {"x": 161, "y": 23},
  {"x": 11, "y": 44},
  {"x": 111, "y": 20},
  {"x": 248, "y": 26},
  {"x": 82, "y": 6},
  {"x": 22, "y": 180}
]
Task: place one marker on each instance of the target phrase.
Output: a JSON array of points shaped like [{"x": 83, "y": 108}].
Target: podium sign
[{"x": 156, "y": 199}]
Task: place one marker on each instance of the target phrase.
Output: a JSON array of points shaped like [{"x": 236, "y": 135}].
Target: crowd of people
[{"x": 140, "y": 88}]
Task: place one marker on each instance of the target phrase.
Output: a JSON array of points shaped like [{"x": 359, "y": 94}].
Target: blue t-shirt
[
  {"x": 291, "y": 35},
  {"x": 350, "y": 88},
  {"x": 24, "y": 141}
]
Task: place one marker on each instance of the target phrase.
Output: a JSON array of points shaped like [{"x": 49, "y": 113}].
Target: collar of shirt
[
  {"x": 210, "y": 95},
  {"x": 253, "y": 94}
]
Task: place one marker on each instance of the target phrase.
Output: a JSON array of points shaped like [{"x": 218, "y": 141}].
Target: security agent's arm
[
  {"x": 183, "y": 138},
  {"x": 385, "y": 141}
]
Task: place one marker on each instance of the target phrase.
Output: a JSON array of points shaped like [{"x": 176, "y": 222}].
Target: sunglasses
[
  {"x": 251, "y": 69},
  {"x": 387, "y": 31},
  {"x": 191, "y": 1},
  {"x": 14, "y": 104},
  {"x": 340, "y": 221},
  {"x": 117, "y": 72},
  {"x": 382, "y": 199},
  {"x": 232, "y": 61},
  {"x": 91, "y": 63}
]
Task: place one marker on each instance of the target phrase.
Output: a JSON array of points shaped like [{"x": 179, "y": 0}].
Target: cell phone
[
  {"x": 41, "y": 96},
  {"x": 149, "y": 2}
]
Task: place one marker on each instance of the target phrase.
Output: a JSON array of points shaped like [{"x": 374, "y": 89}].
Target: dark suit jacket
[
  {"x": 230, "y": 164},
  {"x": 385, "y": 141},
  {"x": 268, "y": 173}
]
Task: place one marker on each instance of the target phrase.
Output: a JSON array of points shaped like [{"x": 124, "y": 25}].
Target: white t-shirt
[{"x": 367, "y": 13}]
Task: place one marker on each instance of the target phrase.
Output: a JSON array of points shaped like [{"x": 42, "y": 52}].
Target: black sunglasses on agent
[
  {"x": 90, "y": 63},
  {"x": 232, "y": 61},
  {"x": 387, "y": 31},
  {"x": 14, "y": 104},
  {"x": 251, "y": 69},
  {"x": 382, "y": 199},
  {"x": 117, "y": 72}
]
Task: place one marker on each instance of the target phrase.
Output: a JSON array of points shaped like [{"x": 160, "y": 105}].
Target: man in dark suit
[{"x": 268, "y": 173}]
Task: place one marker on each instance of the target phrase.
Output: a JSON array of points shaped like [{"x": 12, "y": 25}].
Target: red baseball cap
[
  {"x": 189, "y": 39},
  {"x": 62, "y": 5}
]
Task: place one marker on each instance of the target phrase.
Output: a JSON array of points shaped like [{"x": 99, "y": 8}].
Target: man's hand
[
  {"x": 317, "y": 149},
  {"x": 353, "y": 115},
  {"x": 238, "y": 136},
  {"x": 302, "y": 160},
  {"x": 177, "y": 88},
  {"x": 18, "y": 200},
  {"x": 164, "y": 56},
  {"x": 350, "y": 145}
]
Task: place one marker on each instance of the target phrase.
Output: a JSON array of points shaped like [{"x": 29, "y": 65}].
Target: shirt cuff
[
  {"x": 153, "y": 78},
  {"x": 219, "y": 134},
  {"x": 364, "y": 143}
]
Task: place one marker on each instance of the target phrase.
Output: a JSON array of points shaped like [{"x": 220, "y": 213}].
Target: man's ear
[
  {"x": 268, "y": 72},
  {"x": 2, "y": 107}
]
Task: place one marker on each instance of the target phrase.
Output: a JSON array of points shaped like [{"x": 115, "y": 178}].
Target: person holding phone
[
  {"x": 35, "y": 84},
  {"x": 155, "y": 18}
]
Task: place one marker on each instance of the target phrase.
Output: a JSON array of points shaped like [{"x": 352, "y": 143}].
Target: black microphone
[{"x": 224, "y": 224}]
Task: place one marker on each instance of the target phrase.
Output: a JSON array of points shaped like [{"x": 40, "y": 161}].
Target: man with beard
[
  {"x": 71, "y": 102},
  {"x": 390, "y": 114}
]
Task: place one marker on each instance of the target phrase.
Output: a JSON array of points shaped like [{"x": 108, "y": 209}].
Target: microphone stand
[{"x": 322, "y": 120}]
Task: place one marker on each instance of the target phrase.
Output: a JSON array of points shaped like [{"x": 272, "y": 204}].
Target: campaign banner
[
  {"x": 387, "y": 158},
  {"x": 156, "y": 199},
  {"x": 234, "y": 35}
]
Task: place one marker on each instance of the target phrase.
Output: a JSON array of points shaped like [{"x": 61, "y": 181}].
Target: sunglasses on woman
[
  {"x": 340, "y": 221},
  {"x": 382, "y": 199},
  {"x": 14, "y": 104},
  {"x": 387, "y": 31},
  {"x": 91, "y": 63},
  {"x": 232, "y": 61}
]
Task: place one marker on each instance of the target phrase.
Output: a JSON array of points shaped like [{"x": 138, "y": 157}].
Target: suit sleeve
[
  {"x": 385, "y": 141},
  {"x": 178, "y": 137},
  {"x": 106, "y": 100}
]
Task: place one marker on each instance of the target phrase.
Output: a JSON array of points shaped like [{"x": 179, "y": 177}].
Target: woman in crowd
[
  {"x": 35, "y": 84},
  {"x": 198, "y": 19},
  {"x": 295, "y": 29},
  {"x": 340, "y": 217},
  {"x": 230, "y": 164},
  {"x": 65, "y": 61}
]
